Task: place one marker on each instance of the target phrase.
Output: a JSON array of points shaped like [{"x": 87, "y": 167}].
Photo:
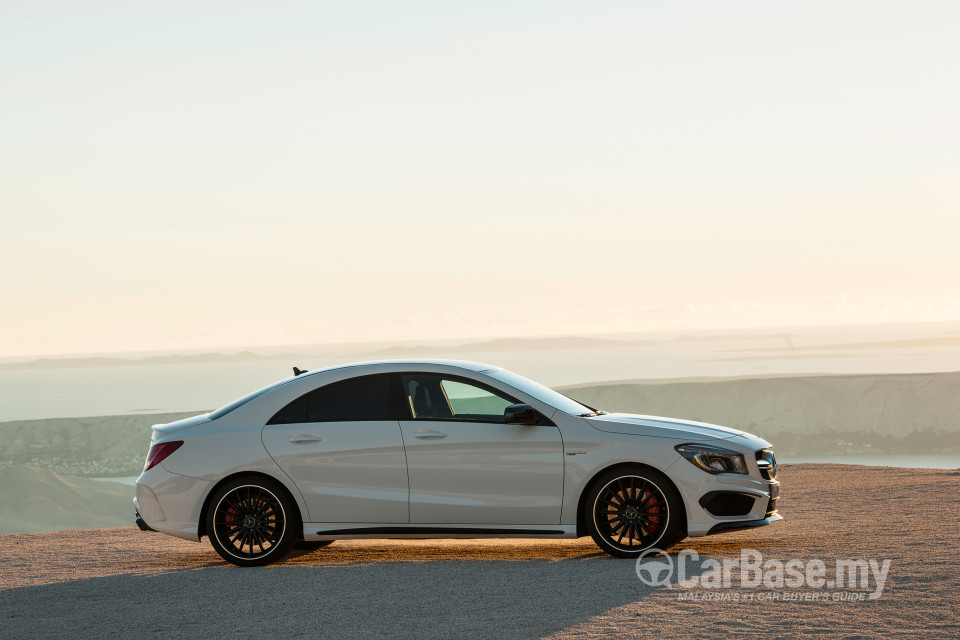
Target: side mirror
[{"x": 520, "y": 414}]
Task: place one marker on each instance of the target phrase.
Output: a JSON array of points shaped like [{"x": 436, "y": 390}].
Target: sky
[{"x": 189, "y": 175}]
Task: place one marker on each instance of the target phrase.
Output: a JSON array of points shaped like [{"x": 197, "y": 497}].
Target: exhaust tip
[{"x": 143, "y": 525}]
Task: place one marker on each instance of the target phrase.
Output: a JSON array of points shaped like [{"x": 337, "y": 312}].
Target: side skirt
[{"x": 347, "y": 531}]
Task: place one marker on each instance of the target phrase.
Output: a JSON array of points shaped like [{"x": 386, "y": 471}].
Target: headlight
[{"x": 713, "y": 459}]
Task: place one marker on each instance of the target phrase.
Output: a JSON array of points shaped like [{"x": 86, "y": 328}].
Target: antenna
[{"x": 297, "y": 371}]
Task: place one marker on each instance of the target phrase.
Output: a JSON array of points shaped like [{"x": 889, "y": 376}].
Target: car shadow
[{"x": 417, "y": 589}]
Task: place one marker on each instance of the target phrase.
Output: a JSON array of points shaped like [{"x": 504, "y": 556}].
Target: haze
[{"x": 186, "y": 175}]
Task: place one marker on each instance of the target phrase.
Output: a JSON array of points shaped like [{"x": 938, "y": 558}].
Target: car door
[
  {"x": 466, "y": 466},
  {"x": 342, "y": 446}
]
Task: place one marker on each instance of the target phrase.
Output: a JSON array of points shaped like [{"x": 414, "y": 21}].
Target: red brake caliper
[{"x": 654, "y": 512}]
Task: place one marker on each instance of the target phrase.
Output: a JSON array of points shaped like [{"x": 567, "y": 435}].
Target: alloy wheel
[
  {"x": 631, "y": 513},
  {"x": 249, "y": 522}
]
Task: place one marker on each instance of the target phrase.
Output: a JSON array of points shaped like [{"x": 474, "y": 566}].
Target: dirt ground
[{"x": 104, "y": 583}]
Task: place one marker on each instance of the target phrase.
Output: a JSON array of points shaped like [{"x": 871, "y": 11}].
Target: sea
[{"x": 59, "y": 391}]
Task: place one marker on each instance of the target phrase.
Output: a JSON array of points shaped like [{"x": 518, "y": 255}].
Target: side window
[
  {"x": 359, "y": 399},
  {"x": 293, "y": 413},
  {"x": 434, "y": 397}
]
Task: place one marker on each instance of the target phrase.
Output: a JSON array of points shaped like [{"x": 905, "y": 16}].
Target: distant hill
[
  {"x": 502, "y": 344},
  {"x": 98, "y": 446},
  {"x": 916, "y": 343},
  {"x": 805, "y": 415},
  {"x": 41, "y": 500}
]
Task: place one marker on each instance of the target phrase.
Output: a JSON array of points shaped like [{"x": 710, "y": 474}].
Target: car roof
[{"x": 404, "y": 362}]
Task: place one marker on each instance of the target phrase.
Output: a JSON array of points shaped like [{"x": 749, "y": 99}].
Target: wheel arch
[
  {"x": 202, "y": 524},
  {"x": 581, "y": 523}
]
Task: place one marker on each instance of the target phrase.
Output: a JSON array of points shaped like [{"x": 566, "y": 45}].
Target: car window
[
  {"x": 359, "y": 399},
  {"x": 435, "y": 397},
  {"x": 553, "y": 398},
  {"x": 236, "y": 404}
]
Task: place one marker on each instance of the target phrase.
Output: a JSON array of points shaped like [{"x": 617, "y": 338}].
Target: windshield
[
  {"x": 222, "y": 411},
  {"x": 540, "y": 392}
]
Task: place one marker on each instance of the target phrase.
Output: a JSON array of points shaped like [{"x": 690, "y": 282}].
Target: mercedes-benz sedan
[{"x": 443, "y": 449}]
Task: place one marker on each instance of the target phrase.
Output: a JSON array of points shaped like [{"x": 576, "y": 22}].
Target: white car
[{"x": 443, "y": 449}]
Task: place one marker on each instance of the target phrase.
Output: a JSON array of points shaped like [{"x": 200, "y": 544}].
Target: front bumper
[
  {"x": 725, "y": 527},
  {"x": 758, "y": 495}
]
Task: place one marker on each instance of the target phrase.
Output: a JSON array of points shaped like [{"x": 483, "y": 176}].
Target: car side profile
[{"x": 443, "y": 449}]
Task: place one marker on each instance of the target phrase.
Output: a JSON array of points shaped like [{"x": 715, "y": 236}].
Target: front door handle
[
  {"x": 429, "y": 434},
  {"x": 300, "y": 438}
]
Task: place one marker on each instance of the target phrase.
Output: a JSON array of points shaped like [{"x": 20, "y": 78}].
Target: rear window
[{"x": 222, "y": 411}]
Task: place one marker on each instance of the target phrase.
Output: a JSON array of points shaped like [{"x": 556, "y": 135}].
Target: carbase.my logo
[{"x": 656, "y": 568}]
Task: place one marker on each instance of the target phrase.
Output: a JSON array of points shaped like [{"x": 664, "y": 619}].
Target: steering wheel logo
[{"x": 655, "y": 568}]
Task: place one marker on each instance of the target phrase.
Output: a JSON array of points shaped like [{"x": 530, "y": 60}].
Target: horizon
[
  {"x": 127, "y": 384},
  {"x": 466, "y": 341}
]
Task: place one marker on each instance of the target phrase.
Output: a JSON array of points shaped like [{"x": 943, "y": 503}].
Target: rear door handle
[
  {"x": 300, "y": 438},
  {"x": 428, "y": 434}
]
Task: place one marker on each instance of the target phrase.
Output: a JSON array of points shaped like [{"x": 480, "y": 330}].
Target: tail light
[{"x": 160, "y": 451}]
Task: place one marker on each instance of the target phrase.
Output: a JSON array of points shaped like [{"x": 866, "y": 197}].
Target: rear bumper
[
  {"x": 170, "y": 503},
  {"x": 142, "y": 524}
]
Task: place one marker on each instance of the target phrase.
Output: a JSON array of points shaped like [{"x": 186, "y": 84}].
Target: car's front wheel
[
  {"x": 252, "y": 521},
  {"x": 633, "y": 508}
]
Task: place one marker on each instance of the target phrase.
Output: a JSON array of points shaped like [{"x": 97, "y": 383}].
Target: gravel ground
[{"x": 110, "y": 582}]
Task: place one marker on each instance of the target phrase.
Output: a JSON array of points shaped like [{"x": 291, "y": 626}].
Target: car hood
[
  {"x": 660, "y": 427},
  {"x": 163, "y": 429}
]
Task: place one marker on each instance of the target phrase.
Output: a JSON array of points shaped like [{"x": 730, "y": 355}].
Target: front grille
[{"x": 767, "y": 463}]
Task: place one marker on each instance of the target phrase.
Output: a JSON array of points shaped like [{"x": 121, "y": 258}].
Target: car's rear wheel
[
  {"x": 252, "y": 521},
  {"x": 633, "y": 508}
]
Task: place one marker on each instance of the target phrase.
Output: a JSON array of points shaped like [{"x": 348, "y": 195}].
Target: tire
[
  {"x": 252, "y": 521},
  {"x": 312, "y": 545},
  {"x": 633, "y": 508}
]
